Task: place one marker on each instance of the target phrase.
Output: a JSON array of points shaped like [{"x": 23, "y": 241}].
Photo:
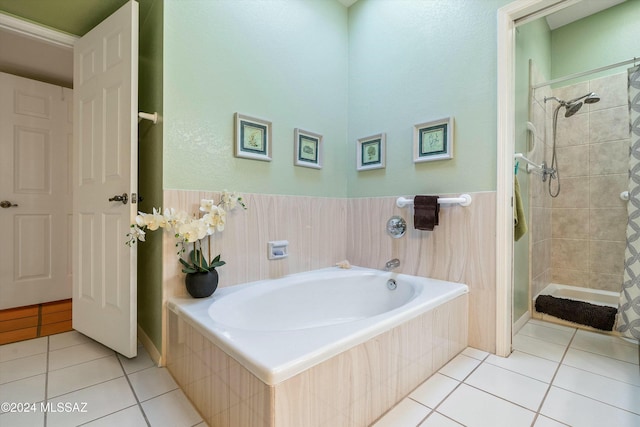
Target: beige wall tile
[
  {"x": 571, "y": 254},
  {"x": 574, "y": 193},
  {"x": 573, "y": 161},
  {"x": 606, "y": 257},
  {"x": 606, "y": 282},
  {"x": 608, "y": 224},
  {"x": 605, "y": 191},
  {"x": 570, "y": 223},
  {"x": 570, "y": 277},
  {"x": 606, "y": 158},
  {"x": 572, "y": 131},
  {"x": 612, "y": 90},
  {"x": 611, "y": 124}
]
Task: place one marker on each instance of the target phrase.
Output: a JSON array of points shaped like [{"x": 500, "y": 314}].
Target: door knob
[
  {"x": 117, "y": 198},
  {"x": 7, "y": 204}
]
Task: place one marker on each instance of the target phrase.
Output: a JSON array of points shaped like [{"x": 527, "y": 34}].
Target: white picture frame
[
  {"x": 371, "y": 152},
  {"x": 308, "y": 148},
  {"x": 433, "y": 140},
  {"x": 252, "y": 138}
]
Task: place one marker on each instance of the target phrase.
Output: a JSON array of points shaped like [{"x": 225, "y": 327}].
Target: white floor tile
[
  {"x": 606, "y": 345},
  {"x": 526, "y": 364},
  {"x": 543, "y": 421},
  {"x": 439, "y": 420},
  {"x": 475, "y": 408},
  {"x": 101, "y": 400},
  {"x": 545, "y": 333},
  {"x": 138, "y": 363},
  {"x": 475, "y": 353},
  {"x": 80, "y": 353},
  {"x": 25, "y": 419},
  {"x": 538, "y": 347},
  {"x": 459, "y": 367},
  {"x": 576, "y": 410},
  {"x": 516, "y": 388},
  {"x": 24, "y": 367},
  {"x": 152, "y": 382},
  {"x": 171, "y": 409},
  {"x": 434, "y": 390},
  {"x": 67, "y": 339},
  {"x": 21, "y": 349},
  {"x": 407, "y": 413},
  {"x": 130, "y": 417},
  {"x": 601, "y": 365},
  {"x": 72, "y": 378},
  {"x": 25, "y": 390},
  {"x": 615, "y": 393},
  {"x": 551, "y": 325}
]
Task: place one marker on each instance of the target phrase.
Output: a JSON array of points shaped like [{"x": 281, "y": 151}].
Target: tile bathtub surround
[
  {"x": 70, "y": 368},
  {"x": 351, "y": 389},
  {"x": 323, "y": 231}
]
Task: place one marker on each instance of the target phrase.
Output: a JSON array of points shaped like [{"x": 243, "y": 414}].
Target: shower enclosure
[{"x": 578, "y": 229}]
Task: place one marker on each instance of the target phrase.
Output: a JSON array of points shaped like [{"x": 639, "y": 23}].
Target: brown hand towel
[{"x": 425, "y": 212}]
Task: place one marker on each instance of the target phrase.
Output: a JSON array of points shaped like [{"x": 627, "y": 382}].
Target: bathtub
[{"x": 301, "y": 341}]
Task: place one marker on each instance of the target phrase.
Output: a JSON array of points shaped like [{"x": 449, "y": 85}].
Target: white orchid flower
[{"x": 207, "y": 205}]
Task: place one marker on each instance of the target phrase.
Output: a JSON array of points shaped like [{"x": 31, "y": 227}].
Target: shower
[{"x": 571, "y": 107}]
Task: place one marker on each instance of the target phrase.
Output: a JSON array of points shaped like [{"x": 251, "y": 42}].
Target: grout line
[
  {"x": 546, "y": 394},
  {"x": 126, "y": 376}
]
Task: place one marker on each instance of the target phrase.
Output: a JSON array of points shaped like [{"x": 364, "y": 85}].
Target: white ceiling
[{"x": 578, "y": 11}]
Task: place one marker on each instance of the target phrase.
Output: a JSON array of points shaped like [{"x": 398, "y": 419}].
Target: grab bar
[
  {"x": 531, "y": 166},
  {"x": 463, "y": 200}
]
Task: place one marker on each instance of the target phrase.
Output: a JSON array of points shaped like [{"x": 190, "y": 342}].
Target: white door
[
  {"x": 35, "y": 192},
  {"x": 105, "y": 154}
]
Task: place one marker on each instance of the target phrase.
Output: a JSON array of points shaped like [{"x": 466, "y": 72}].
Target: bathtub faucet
[{"x": 392, "y": 264}]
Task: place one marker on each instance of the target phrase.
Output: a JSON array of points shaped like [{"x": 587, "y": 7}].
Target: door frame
[
  {"x": 35, "y": 31},
  {"x": 510, "y": 16}
]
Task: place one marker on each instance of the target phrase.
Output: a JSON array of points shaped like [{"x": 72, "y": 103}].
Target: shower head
[
  {"x": 571, "y": 109},
  {"x": 592, "y": 98}
]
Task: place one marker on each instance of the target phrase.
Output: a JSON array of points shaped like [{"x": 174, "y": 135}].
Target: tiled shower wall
[
  {"x": 587, "y": 221},
  {"x": 323, "y": 231}
]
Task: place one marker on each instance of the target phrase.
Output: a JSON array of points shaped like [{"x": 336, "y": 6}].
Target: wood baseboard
[{"x": 23, "y": 323}]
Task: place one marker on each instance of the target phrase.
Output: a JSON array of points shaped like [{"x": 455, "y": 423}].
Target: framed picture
[
  {"x": 307, "y": 149},
  {"x": 371, "y": 152},
  {"x": 433, "y": 140},
  {"x": 253, "y": 138}
]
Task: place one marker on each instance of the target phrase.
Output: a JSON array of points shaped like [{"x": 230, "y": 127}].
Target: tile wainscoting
[{"x": 323, "y": 231}]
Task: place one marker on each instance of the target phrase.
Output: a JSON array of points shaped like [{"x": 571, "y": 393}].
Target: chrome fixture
[
  {"x": 392, "y": 285},
  {"x": 571, "y": 107},
  {"x": 392, "y": 264},
  {"x": 396, "y": 227}
]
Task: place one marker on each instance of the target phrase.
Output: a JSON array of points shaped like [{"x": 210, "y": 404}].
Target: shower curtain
[{"x": 628, "y": 321}]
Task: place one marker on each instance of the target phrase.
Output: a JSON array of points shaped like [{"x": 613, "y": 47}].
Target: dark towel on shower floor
[{"x": 597, "y": 316}]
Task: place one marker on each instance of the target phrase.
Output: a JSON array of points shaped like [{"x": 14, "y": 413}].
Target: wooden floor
[{"x": 23, "y": 323}]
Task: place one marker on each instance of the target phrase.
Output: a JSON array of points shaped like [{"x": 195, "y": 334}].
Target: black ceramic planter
[{"x": 202, "y": 285}]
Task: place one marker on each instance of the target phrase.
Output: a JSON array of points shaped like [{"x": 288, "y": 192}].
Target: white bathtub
[{"x": 279, "y": 328}]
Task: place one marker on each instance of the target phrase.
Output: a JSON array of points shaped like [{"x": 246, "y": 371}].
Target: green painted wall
[
  {"x": 605, "y": 38},
  {"x": 533, "y": 42},
  {"x": 150, "y": 167},
  {"x": 280, "y": 60},
  {"x": 416, "y": 61}
]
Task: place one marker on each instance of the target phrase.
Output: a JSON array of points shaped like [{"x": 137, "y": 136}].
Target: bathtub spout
[{"x": 392, "y": 264}]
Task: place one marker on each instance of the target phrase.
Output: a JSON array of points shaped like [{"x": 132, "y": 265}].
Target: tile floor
[
  {"x": 556, "y": 376},
  {"x": 70, "y": 380}
]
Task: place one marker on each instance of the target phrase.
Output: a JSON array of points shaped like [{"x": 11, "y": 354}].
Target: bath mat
[{"x": 584, "y": 313}]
